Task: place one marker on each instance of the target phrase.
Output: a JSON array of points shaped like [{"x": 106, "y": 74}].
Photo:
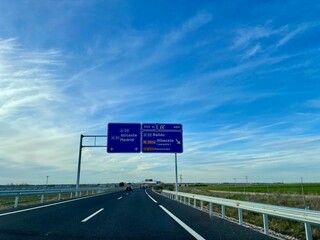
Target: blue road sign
[
  {"x": 124, "y": 138},
  {"x": 162, "y": 138}
]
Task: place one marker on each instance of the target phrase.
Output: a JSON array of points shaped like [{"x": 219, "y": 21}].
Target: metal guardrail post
[
  {"x": 223, "y": 211},
  {"x": 42, "y": 198},
  {"x": 308, "y": 230},
  {"x": 211, "y": 209},
  {"x": 87, "y": 193},
  {"x": 265, "y": 224},
  {"x": 240, "y": 213},
  {"x": 71, "y": 195},
  {"x": 201, "y": 205},
  {"x": 194, "y": 203},
  {"x": 189, "y": 201},
  {"x": 184, "y": 200},
  {"x": 59, "y": 196},
  {"x": 16, "y": 201}
]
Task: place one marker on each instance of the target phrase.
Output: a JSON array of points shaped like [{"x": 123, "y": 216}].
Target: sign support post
[
  {"x": 176, "y": 168},
  {"x": 79, "y": 164},
  {"x": 80, "y": 154}
]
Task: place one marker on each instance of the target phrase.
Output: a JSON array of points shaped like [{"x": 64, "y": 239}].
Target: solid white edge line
[
  {"x": 48, "y": 205},
  {"x": 119, "y": 198},
  {"x": 150, "y": 197},
  {"x": 182, "y": 224},
  {"x": 92, "y": 215}
]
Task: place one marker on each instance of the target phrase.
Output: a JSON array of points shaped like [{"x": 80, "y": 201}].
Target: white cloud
[
  {"x": 245, "y": 36},
  {"x": 31, "y": 107},
  {"x": 291, "y": 35},
  {"x": 252, "y": 51},
  {"x": 26, "y": 79},
  {"x": 190, "y": 25}
]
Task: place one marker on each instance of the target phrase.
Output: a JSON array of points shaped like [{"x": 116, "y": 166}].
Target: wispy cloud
[
  {"x": 288, "y": 36},
  {"x": 31, "y": 107},
  {"x": 246, "y": 36},
  {"x": 190, "y": 25},
  {"x": 27, "y": 80},
  {"x": 252, "y": 51}
]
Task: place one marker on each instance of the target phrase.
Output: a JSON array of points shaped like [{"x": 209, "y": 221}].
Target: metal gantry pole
[
  {"x": 80, "y": 154},
  {"x": 79, "y": 164},
  {"x": 176, "y": 168}
]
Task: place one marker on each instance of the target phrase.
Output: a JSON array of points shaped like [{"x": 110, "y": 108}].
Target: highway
[{"x": 121, "y": 215}]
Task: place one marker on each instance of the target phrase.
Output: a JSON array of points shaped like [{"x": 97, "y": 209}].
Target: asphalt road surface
[{"x": 120, "y": 215}]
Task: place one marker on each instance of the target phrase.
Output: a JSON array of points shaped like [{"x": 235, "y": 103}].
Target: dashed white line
[
  {"x": 92, "y": 215},
  {"x": 151, "y": 197},
  {"x": 119, "y": 198},
  {"x": 182, "y": 224}
]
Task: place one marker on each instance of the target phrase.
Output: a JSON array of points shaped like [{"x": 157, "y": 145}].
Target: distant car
[{"x": 129, "y": 188}]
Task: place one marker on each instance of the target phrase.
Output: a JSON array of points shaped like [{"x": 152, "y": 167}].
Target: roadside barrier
[{"x": 308, "y": 217}]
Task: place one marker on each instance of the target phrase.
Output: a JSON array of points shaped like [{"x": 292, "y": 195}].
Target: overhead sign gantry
[
  {"x": 137, "y": 138},
  {"x": 148, "y": 137}
]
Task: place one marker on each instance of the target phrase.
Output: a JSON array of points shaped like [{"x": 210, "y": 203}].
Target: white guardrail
[
  {"x": 306, "y": 216},
  {"x": 17, "y": 194}
]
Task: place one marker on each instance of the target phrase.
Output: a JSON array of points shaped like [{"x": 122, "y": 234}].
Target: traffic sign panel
[
  {"x": 124, "y": 138},
  {"x": 162, "y": 138}
]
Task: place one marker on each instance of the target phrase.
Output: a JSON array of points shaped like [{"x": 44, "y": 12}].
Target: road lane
[
  {"x": 209, "y": 228},
  {"x": 41, "y": 223},
  {"x": 182, "y": 224},
  {"x": 135, "y": 216}
]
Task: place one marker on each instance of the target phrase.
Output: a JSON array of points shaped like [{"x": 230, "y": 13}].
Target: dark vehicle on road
[{"x": 129, "y": 188}]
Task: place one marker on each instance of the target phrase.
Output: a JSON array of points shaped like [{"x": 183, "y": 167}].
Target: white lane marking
[
  {"x": 182, "y": 224},
  {"x": 92, "y": 215},
  {"x": 150, "y": 197},
  {"x": 49, "y": 205},
  {"x": 119, "y": 198}
]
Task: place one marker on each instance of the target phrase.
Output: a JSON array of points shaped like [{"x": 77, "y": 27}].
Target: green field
[{"x": 278, "y": 188}]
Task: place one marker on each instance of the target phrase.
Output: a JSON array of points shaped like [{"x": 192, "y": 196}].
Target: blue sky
[{"x": 242, "y": 77}]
